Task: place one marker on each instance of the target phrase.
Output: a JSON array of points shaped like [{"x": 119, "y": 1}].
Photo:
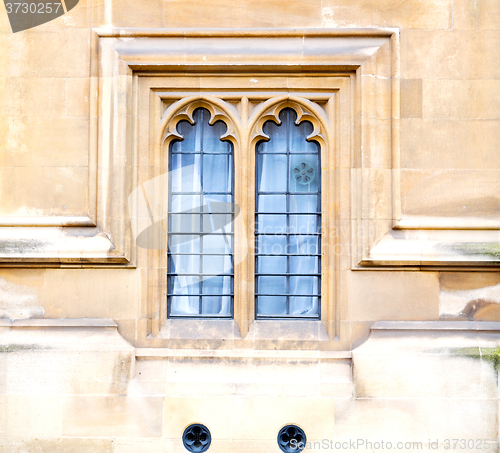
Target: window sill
[
  {"x": 227, "y": 329},
  {"x": 199, "y": 329},
  {"x": 288, "y": 330},
  {"x": 161, "y": 353}
]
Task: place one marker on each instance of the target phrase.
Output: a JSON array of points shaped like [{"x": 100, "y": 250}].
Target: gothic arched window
[
  {"x": 288, "y": 220},
  {"x": 200, "y": 228}
]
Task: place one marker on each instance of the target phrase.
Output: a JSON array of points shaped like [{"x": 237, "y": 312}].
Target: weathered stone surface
[
  {"x": 427, "y": 361},
  {"x": 433, "y": 14},
  {"x": 112, "y": 416},
  {"x": 428, "y": 192},
  {"x": 376, "y": 296},
  {"x": 456, "y": 54},
  {"x": 44, "y": 357},
  {"x": 469, "y": 297},
  {"x": 414, "y": 114},
  {"x": 450, "y": 144},
  {"x": 55, "y": 445}
]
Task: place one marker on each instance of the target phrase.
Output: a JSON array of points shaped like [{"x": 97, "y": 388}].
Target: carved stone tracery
[
  {"x": 244, "y": 120},
  {"x": 305, "y": 110},
  {"x": 184, "y": 109},
  {"x": 238, "y": 130}
]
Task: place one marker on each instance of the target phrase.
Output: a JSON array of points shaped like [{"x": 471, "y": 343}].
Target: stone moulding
[
  {"x": 380, "y": 236},
  {"x": 244, "y": 130},
  {"x": 430, "y": 359},
  {"x": 67, "y": 356}
]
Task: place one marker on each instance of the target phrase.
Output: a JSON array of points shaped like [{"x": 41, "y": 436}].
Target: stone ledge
[
  {"x": 64, "y": 356},
  {"x": 161, "y": 353},
  {"x": 41, "y": 323},
  {"x": 437, "y": 325},
  {"x": 428, "y": 359},
  {"x": 298, "y": 330},
  {"x": 200, "y": 329},
  {"x": 127, "y": 32}
]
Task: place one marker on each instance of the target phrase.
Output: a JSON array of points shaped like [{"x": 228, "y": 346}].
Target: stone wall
[{"x": 87, "y": 362}]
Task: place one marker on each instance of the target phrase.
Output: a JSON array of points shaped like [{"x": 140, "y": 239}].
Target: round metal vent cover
[
  {"x": 196, "y": 437},
  {"x": 291, "y": 438},
  {"x": 303, "y": 173}
]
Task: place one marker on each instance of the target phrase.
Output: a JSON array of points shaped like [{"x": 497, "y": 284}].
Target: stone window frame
[
  {"x": 244, "y": 132},
  {"x": 367, "y": 190}
]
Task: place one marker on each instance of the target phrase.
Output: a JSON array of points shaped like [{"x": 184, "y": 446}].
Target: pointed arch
[
  {"x": 288, "y": 211},
  {"x": 201, "y": 212},
  {"x": 305, "y": 109},
  {"x": 183, "y": 110}
]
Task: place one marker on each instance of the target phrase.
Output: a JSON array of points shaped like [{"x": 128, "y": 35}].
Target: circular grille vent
[
  {"x": 303, "y": 173},
  {"x": 196, "y": 437},
  {"x": 291, "y": 438}
]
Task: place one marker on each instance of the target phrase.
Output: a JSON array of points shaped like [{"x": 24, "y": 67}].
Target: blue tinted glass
[
  {"x": 200, "y": 164},
  {"x": 201, "y": 136},
  {"x": 304, "y": 264},
  {"x": 303, "y": 224},
  {"x": 304, "y": 203},
  {"x": 217, "y": 173},
  {"x": 304, "y": 245},
  {"x": 298, "y": 134},
  {"x": 271, "y": 305},
  {"x": 216, "y": 264},
  {"x": 211, "y": 138},
  {"x": 185, "y": 264},
  {"x": 218, "y": 203},
  {"x": 288, "y": 188},
  {"x": 185, "y": 223},
  {"x": 217, "y": 285},
  {"x": 216, "y": 244},
  {"x": 183, "y": 243},
  {"x": 272, "y": 223},
  {"x": 185, "y": 203},
  {"x": 271, "y": 245},
  {"x": 272, "y": 173},
  {"x": 271, "y": 265},
  {"x": 271, "y": 285},
  {"x": 184, "y": 305},
  {"x": 192, "y": 137},
  {"x": 185, "y": 285},
  {"x": 213, "y": 223},
  {"x": 303, "y": 285},
  {"x": 304, "y": 175},
  {"x": 271, "y": 203},
  {"x": 304, "y": 306},
  {"x": 185, "y": 173},
  {"x": 216, "y": 305},
  {"x": 278, "y": 134}
]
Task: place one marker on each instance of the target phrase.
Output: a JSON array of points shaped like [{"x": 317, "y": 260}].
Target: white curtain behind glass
[
  {"x": 200, "y": 220},
  {"x": 288, "y": 221}
]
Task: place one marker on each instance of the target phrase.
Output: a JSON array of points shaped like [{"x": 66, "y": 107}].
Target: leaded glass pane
[
  {"x": 271, "y": 264},
  {"x": 272, "y": 285},
  {"x": 273, "y": 305},
  {"x": 303, "y": 203},
  {"x": 271, "y": 203},
  {"x": 200, "y": 222},
  {"x": 304, "y": 264},
  {"x": 217, "y": 173},
  {"x": 304, "y": 306},
  {"x": 288, "y": 221},
  {"x": 271, "y": 223},
  {"x": 271, "y": 173}
]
